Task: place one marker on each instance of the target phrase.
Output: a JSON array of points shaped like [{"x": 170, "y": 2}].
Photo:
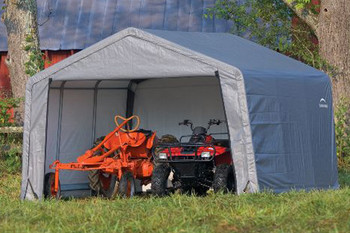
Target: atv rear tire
[
  {"x": 224, "y": 179},
  {"x": 159, "y": 179},
  {"x": 96, "y": 184},
  {"x": 49, "y": 185},
  {"x": 127, "y": 186}
]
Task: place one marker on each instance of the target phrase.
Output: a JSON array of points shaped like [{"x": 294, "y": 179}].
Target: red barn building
[{"x": 66, "y": 27}]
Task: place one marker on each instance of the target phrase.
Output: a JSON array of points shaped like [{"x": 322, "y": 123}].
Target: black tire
[
  {"x": 159, "y": 179},
  {"x": 94, "y": 175},
  {"x": 224, "y": 179},
  {"x": 96, "y": 184},
  {"x": 49, "y": 182},
  {"x": 98, "y": 141},
  {"x": 127, "y": 186}
]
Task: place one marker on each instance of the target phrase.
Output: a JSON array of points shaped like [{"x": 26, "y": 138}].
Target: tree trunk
[
  {"x": 24, "y": 56},
  {"x": 333, "y": 33},
  {"x": 332, "y": 27}
]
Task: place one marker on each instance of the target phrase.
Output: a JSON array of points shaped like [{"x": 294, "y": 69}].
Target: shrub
[
  {"x": 6, "y": 108},
  {"x": 10, "y": 152},
  {"x": 10, "y": 143},
  {"x": 342, "y": 132}
]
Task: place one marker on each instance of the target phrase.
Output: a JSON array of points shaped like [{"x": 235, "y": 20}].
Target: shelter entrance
[{"x": 81, "y": 111}]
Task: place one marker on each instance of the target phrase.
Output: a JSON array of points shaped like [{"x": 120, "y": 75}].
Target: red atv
[{"x": 197, "y": 165}]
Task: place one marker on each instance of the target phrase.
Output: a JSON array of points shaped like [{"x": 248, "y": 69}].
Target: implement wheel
[
  {"x": 159, "y": 179},
  {"x": 127, "y": 186},
  {"x": 49, "y": 186},
  {"x": 224, "y": 179},
  {"x": 102, "y": 184}
]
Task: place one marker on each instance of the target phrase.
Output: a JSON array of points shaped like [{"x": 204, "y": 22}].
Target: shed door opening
[{"x": 81, "y": 111}]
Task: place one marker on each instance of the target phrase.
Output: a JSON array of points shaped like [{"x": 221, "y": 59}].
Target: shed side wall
[{"x": 291, "y": 119}]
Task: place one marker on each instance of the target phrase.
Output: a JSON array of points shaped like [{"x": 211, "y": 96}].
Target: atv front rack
[{"x": 189, "y": 152}]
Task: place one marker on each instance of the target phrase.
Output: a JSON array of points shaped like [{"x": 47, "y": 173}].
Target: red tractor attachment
[{"x": 113, "y": 164}]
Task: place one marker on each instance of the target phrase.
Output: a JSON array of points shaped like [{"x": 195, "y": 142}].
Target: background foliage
[
  {"x": 273, "y": 24},
  {"x": 342, "y": 132},
  {"x": 10, "y": 143}
]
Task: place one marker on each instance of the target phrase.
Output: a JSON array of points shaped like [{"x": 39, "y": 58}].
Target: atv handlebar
[
  {"x": 187, "y": 122},
  {"x": 210, "y": 123},
  {"x": 215, "y": 122}
]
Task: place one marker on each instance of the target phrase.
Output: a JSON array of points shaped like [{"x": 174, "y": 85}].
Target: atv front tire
[
  {"x": 224, "y": 179},
  {"x": 159, "y": 179}
]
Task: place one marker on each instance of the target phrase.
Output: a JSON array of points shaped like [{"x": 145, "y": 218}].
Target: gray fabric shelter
[{"x": 278, "y": 110}]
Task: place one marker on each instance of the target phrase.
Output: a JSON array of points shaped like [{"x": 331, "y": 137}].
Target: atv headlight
[
  {"x": 162, "y": 156},
  {"x": 205, "y": 154}
]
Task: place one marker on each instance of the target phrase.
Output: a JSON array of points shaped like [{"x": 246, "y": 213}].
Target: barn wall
[
  {"x": 5, "y": 85},
  {"x": 51, "y": 57}
]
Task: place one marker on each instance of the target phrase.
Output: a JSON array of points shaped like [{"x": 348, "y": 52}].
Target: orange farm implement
[{"x": 113, "y": 163}]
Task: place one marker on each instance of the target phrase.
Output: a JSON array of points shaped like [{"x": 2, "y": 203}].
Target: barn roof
[{"x": 77, "y": 24}]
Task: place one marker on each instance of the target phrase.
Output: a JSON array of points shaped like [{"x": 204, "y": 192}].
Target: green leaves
[
  {"x": 6, "y": 104},
  {"x": 270, "y": 23},
  {"x": 300, "y": 4},
  {"x": 35, "y": 62},
  {"x": 265, "y": 21},
  {"x": 10, "y": 143},
  {"x": 342, "y": 132}
]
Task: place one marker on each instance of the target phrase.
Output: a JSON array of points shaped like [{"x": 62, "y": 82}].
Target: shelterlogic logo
[{"x": 323, "y": 103}]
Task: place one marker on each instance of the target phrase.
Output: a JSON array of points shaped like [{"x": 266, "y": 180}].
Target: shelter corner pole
[
  {"x": 130, "y": 98},
  {"x": 217, "y": 75},
  {"x": 47, "y": 120},
  {"x": 94, "y": 112},
  {"x": 59, "y": 127}
]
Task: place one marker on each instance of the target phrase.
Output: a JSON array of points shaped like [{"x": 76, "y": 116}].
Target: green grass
[{"x": 317, "y": 211}]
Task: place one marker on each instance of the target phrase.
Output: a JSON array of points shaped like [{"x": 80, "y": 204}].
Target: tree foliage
[
  {"x": 270, "y": 23},
  {"x": 300, "y": 4},
  {"x": 342, "y": 132}
]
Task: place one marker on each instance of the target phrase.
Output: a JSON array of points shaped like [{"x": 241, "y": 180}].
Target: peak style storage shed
[{"x": 278, "y": 110}]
